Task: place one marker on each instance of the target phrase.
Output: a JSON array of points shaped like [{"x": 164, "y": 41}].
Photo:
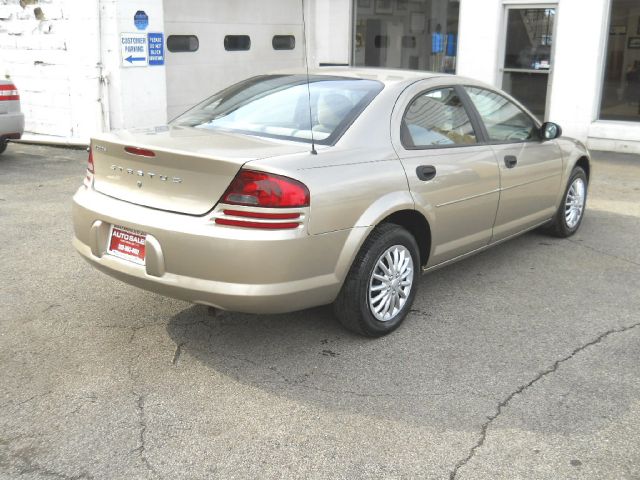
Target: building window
[
  {"x": 182, "y": 43},
  {"x": 235, "y": 43},
  {"x": 416, "y": 34},
  {"x": 283, "y": 42},
  {"x": 621, "y": 87},
  {"x": 381, "y": 41}
]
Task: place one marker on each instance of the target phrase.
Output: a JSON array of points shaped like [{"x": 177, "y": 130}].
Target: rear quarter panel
[{"x": 354, "y": 184}]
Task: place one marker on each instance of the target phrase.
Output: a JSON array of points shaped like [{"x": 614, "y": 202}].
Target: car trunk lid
[{"x": 178, "y": 169}]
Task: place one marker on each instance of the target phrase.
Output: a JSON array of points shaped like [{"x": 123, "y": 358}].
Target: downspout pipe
[{"x": 103, "y": 76}]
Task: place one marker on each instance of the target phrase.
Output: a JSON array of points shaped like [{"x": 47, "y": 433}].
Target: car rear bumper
[
  {"x": 193, "y": 259},
  {"x": 11, "y": 125}
]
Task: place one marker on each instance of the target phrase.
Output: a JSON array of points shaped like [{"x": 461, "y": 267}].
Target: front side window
[
  {"x": 436, "y": 118},
  {"x": 278, "y": 106},
  {"x": 503, "y": 119}
]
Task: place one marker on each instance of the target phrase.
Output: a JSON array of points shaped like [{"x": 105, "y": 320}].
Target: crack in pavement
[
  {"x": 504, "y": 403},
  {"x": 611, "y": 255},
  {"x": 356, "y": 394},
  {"x": 177, "y": 353},
  {"x": 26, "y": 466},
  {"x": 23, "y": 402},
  {"x": 30, "y": 467},
  {"x": 142, "y": 423}
]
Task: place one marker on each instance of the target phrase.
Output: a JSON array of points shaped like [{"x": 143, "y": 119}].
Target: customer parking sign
[{"x": 134, "y": 50}]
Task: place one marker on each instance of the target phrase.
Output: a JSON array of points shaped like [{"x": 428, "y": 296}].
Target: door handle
[
  {"x": 510, "y": 161},
  {"x": 426, "y": 172}
]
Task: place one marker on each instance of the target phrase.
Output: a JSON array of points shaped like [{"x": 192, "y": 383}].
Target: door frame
[{"x": 507, "y": 5}]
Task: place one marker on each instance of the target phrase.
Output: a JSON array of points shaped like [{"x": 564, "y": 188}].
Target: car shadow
[{"x": 478, "y": 331}]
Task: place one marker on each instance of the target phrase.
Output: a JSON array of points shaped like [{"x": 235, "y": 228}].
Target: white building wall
[
  {"x": 478, "y": 40},
  {"x": 580, "y": 43},
  {"x": 578, "y": 65},
  {"x": 330, "y": 32},
  {"x": 68, "y": 66},
  {"x": 54, "y": 61},
  {"x": 137, "y": 95}
]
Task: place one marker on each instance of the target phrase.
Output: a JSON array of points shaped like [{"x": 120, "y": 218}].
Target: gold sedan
[{"x": 289, "y": 191}]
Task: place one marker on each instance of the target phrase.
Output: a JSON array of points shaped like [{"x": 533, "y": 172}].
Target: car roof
[{"x": 388, "y": 76}]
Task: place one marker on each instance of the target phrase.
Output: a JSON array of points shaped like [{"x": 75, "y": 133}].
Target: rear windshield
[{"x": 278, "y": 106}]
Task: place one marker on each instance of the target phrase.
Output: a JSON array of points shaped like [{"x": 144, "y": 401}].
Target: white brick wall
[{"x": 53, "y": 61}]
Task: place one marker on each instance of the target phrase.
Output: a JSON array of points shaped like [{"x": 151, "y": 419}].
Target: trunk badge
[{"x": 139, "y": 184}]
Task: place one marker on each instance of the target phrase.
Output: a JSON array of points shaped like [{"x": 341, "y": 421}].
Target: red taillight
[
  {"x": 142, "y": 152},
  {"x": 90, "y": 165},
  {"x": 260, "y": 225},
  {"x": 259, "y": 189},
  {"x": 261, "y": 215},
  {"x": 9, "y": 92},
  {"x": 248, "y": 219},
  {"x": 88, "y": 178}
]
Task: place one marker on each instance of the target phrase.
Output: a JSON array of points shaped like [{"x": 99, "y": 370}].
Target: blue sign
[
  {"x": 156, "y": 48},
  {"x": 141, "y": 20}
]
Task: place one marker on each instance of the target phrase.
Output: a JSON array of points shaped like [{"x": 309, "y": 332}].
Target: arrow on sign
[{"x": 132, "y": 59}]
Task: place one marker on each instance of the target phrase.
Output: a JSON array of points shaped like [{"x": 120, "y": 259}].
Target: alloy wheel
[
  {"x": 574, "y": 203},
  {"x": 390, "y": 283}
]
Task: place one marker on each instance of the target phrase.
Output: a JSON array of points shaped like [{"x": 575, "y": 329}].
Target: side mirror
[{"x": 549, "y": 131}]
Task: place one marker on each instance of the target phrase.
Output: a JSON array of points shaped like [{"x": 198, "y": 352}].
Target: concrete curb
[{"x": 53, "y": 141}]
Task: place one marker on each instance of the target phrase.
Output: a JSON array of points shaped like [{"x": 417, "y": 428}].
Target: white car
[{"x": 11, "y": 118}]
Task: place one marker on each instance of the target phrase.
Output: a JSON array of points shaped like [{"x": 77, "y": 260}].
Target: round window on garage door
[
  {"x": 237, "y": 43},
  {"x": 182, "y": 43}
]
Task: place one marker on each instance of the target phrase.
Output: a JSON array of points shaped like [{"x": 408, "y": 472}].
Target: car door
[
  {"x": 453, "y": 179},
  {"x": 530, "y": 169}
]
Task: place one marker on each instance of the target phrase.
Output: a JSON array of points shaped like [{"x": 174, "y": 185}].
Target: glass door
[{"x": 528, "y": 56}]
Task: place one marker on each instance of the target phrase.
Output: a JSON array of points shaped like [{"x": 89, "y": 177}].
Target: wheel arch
[
  {"x": 583, "y": 162},
  {"x": 418, "y": 226},
  {"x": 403, "y": 213}
]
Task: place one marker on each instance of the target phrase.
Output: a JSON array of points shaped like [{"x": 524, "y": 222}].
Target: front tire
[
  {"x": 3, "y": 145},
  {"x": 381, "y": 285},
  {"x": 571, "y": 211}
]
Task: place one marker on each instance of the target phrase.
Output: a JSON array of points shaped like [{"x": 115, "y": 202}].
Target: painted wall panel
[{"x": 193, "y": 76}]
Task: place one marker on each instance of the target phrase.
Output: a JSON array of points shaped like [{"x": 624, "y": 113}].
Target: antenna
[{"x": 306, "y": 64}]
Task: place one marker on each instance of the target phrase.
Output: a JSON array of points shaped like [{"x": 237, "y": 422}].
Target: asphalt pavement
[{"x": 519, "y": 363}]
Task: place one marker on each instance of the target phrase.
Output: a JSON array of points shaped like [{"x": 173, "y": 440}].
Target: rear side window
[
  {"x": 283, "y": 42},
  {"x": 503, "y": 119},
  {"x": 236, "y": 43},
  {"x": 183, "y": 43},
  {"x": 436, "y": 118}
]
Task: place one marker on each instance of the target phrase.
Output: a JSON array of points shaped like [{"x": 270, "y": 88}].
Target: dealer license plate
[{"x": 127, "y": 244}]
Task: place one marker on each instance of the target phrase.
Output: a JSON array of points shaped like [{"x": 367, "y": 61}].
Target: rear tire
[
  {"x": 570, "y": 213},
  {"x": 381, "y": 285}
]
